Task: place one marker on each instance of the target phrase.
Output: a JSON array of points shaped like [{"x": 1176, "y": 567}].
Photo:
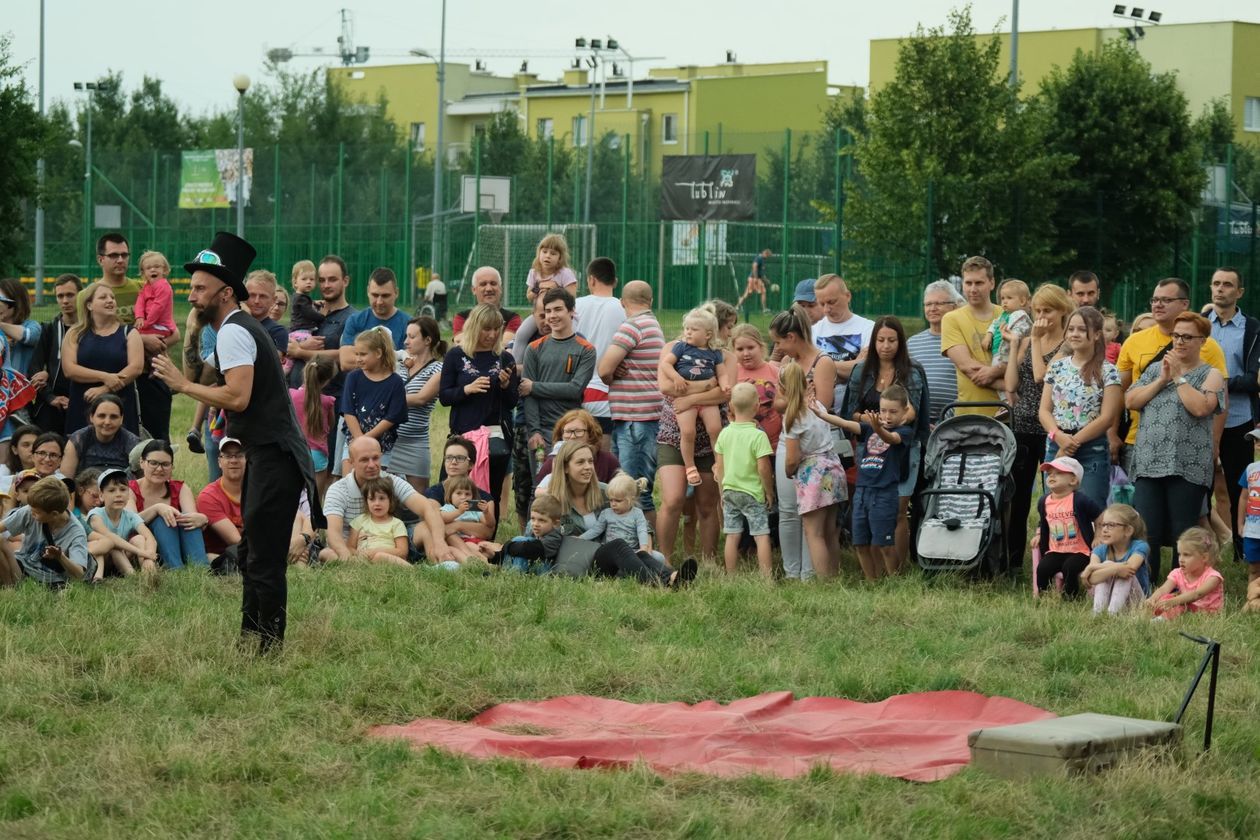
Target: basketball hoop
[{"x": 496, "y": 215}]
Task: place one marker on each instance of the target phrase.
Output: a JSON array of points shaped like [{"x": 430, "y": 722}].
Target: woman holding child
[
  {"x": 575, "y": 485},
  {"x": 1173, "y": 458},
  {"x": 1025, "y": 375}
]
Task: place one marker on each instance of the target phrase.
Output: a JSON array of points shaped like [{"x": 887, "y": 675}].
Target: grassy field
[{"x": 125, "y": 710}]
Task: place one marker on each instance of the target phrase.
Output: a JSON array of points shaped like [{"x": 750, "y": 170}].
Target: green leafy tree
[
  {"x": 24, "y": 137},
  {"x": 1136, "y": 170},
  {"x": 952, "y": 163}
]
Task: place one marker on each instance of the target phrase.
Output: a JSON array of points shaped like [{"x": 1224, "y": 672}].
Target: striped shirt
[
  {"x": 636, "y": 395},
  {"x": 942, "y": 376}
]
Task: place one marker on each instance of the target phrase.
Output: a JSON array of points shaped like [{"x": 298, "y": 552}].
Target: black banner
[{"x": 705, "y": 187}]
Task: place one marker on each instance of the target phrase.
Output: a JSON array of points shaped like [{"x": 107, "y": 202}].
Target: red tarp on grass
[{"x": 921, "y": 737}]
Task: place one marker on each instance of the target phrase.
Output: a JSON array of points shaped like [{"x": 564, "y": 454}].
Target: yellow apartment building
[{"x": 1211, "y": 60}]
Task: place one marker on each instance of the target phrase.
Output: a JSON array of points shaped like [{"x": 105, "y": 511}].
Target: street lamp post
[
  {"x": 241, "y": 83},
  {"x": 596, "y": 46},
  {"x": 435, "y": 242},
  {"x": 91, "y": 88},
  {"x": 39, "y": 178}
]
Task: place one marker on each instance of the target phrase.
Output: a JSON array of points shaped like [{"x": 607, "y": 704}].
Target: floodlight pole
[
  {"x": 39, "y": 177},
  {"x": 590, "y": 144},
  {"x": 1014, "y": 80},
  {"x": 438, "y": 160}
]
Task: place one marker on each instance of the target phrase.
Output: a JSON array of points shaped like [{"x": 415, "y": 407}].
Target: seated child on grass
[
  {"x": 1117, "y": 569},
  {"x": 534, "y": 552},
  {"x": 462, "y": 506},
  {"x": 54, "y": 546},
  {"x": 1194, "y": 586},
  {"x": 622, "y": 519},
  {"x": 118, "y": 532},
  {"x": 378, "y": 536}
]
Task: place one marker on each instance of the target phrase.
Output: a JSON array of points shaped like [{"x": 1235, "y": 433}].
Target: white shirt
[
  {"x": 843, "y": 342},
  {"x": 234, "y": 345},
  {"x": 598, "y": 319},
  {"x": 345, "y": 498},
  {"x": 813, "y": 433}
]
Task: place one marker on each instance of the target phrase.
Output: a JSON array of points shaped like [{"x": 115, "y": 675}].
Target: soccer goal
[{"x": 512, "y": 248}]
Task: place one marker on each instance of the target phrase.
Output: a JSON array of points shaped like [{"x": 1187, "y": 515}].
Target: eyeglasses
[
  {"x": 1184, "y": 338},
  {"x": 52, "y": 456},
  {"x": 1164, "y": 301},
  {"x": 165, "y": 465},
  {"x": 574, "y": 433},
  {"x": 933, "y": 304},
  {"x": 1109, "y": 525},
  {"x": 125, "y": 255},
  {"x": 234, "y": 456},
  {"x": 456, "y": 459}
]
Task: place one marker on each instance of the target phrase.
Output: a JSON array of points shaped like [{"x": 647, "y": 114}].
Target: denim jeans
[
  {"x": 212, "y": 453},
  {"x": 1095, "y": 459},
  {"x": 178, "y": 547},
  {"x": 634, "y": 444}
]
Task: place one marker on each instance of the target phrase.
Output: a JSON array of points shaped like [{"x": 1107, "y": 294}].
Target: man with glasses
[
  {"x": 49, "y": 410},
  {"x": 1171, "y": 298},
  {"x": 1237, "y": 333},
  {"x": 260, "y": 415},
  {"x": 113, "y": 255},
  {"x": 939, "y": 299},
  {"x": 220, "y": 500}
]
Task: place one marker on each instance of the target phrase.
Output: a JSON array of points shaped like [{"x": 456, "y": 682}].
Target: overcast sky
[{"x": 197, "y": 48}]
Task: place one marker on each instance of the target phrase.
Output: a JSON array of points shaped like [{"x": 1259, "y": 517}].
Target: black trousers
[
  {"x": 1168, "y": 506},
  {"x": 269, "y": 503},
  {"x": 1237, "y": 451},
  {"x": 1071, "y": 565},
  {"x": 617, "y": 558},
  {"x": 155, "y": 406},
  {"x": 1030, "y": 450}
]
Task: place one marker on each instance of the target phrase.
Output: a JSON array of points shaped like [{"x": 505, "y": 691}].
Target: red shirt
[
  {"x": 173, "y": 489},
  {"x": 217, "y": 505}
]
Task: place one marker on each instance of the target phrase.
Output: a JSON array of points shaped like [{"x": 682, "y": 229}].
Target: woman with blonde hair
[
  {"x": 479, "y": 383},
  {"x": 114, "y": 352},
  {"x": 1025, "y": 377}
]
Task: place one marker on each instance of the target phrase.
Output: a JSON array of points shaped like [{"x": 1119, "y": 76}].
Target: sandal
[{"x": 693, "y": 476}]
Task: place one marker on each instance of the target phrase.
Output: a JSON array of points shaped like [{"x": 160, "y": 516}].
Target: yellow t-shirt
[
  {"x": 125, "y": 296},
  {"x": 1141, "y": 347},
  {"x": 962, "y": 327}
]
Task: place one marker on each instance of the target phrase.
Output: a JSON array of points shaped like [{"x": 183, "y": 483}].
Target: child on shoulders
[
  {"x": 155, "y": 302},
  {"x": 550, "y": 268},
  {"x": 1118, "y": 571},
  {"x": 742, "y": 468},
  {"x": 1194, "y": 586}
]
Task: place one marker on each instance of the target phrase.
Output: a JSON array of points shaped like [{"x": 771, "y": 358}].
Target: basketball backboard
[{"x": 496, "y": 193}]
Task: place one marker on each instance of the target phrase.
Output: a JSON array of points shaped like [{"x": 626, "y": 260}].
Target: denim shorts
[
  {"x": 1251, "y": 549},
  {"x": 739, "y": 507},
  {"x": 874, "y": 515}
]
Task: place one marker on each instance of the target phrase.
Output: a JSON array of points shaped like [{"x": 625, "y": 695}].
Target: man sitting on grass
[{"x": 54, "y": 545}]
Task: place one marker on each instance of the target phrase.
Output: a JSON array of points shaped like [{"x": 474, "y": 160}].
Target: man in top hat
[{"x": 259, "y": 414}]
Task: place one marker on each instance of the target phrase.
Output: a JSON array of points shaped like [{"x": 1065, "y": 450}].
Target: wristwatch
[{"x": 1179, "y": 381}]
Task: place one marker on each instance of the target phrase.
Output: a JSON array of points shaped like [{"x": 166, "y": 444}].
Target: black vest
[{"x": 268, "y": 417}]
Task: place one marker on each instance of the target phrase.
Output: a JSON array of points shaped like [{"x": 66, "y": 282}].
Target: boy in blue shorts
[
  {"x": 743, "y": 470},
  {"x": 885, "y": 440}
]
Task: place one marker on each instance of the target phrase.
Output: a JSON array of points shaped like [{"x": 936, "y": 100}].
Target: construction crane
[{"x": 346, "y": 50}]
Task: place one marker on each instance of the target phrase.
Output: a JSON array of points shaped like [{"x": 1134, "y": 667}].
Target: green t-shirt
[
  {"x": 740, "y": 445},
  {"x": 125, "y": 295}
]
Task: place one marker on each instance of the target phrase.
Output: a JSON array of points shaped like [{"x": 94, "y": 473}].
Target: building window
[
  {"x": 417, "y": 137},
  {"x": 1251, "y": 114},
  {"x": 669, "y": 128},
  {"x": 579, "y": 131},
  {"x": 546, "y": 128}
]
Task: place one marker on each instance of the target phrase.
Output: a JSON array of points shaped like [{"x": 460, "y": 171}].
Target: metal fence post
[
  {"x": 702, "y": 230},
  {"x": 341, "y": 180},
  {"x": 275, "y": 209},
  {"x": 931, "y": 230},
  {"x": 477, "y": 199},
  {"x": 625, "y": 201},
  {"x": 409, "y": 253},
  {"x": 787, "y": 184},
  {"x": 1251, "y": 262},
  {"x": 840, "y": 137},
  {"x": 551, "y": 162}
]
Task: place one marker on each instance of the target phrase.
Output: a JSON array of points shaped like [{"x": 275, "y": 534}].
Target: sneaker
[{"x": 194, "y": 443}]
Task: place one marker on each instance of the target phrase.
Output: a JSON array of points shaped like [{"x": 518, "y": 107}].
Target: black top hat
[{"x": 228, "y": 258}]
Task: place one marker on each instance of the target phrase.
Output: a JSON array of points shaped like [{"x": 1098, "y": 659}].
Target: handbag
[{"x": 16, "y": 392}]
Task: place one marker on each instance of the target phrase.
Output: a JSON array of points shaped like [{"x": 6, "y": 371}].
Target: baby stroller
[{"x": 966, "y": 506}]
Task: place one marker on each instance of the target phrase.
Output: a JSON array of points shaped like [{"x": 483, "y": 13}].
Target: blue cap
[{"x": 805, "y": 291}]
